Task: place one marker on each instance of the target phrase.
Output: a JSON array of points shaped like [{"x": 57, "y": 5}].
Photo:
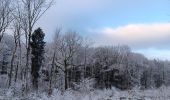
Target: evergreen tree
[{"x": 37, "y": 46}]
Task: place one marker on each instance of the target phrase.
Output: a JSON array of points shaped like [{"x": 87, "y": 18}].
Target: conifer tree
[{"x": 37, "y": 45}]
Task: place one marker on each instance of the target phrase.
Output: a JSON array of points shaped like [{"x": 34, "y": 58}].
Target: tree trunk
[
  {"x": 16, "y": 72},
  {"x": 66, "y": 75},
  {"x": 12, "y": 64}
]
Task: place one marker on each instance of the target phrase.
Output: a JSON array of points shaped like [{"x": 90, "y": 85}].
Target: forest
[{"x": 70, "y": 62}]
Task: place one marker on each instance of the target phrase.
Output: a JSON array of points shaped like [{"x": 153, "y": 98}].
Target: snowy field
[{"x": 162, "y": 93}]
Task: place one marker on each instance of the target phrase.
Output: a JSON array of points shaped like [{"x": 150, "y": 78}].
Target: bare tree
[
  {"x": 5, "y": 16},
  {"x": 17, "y": 40},
  {"x": 67, "y": 49},
  {"x": 54, "y": 57},
  {"x": 31, "y": 12}
]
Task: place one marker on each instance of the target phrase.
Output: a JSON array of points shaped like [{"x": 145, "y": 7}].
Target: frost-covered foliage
[
  {"x": 70, "y": 68},
  {"x": 163, "y": 93},
  {"x": 69, "y": 63}
]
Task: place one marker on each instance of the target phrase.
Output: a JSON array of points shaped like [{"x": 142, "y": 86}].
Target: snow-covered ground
[{"x": 162, "y": 93}]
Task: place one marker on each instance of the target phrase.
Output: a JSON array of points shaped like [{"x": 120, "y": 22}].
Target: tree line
[{"x": 69, "y": 61}]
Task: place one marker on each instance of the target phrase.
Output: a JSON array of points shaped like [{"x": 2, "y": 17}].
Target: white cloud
[{"x": 155, "y": 35}]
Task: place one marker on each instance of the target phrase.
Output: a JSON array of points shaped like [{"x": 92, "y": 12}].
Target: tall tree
[
  {"x": 5, "y": 16},
  {"x": 16, "y": 26},
  {"x": 67, "y": 50},
  {"x": 37, "y": 45},
  {"x": 30, "y": 12}
]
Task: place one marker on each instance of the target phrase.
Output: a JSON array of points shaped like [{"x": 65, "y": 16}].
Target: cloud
[
  {"x": 82, "y": 14},
  {"x": 155, "y": 35}
]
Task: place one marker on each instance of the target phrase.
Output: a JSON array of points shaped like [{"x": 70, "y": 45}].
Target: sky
[{"x": 144, "y": 25}]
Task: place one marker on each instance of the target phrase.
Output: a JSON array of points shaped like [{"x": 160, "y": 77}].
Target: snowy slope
[{"x": 162, "y": 93}]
